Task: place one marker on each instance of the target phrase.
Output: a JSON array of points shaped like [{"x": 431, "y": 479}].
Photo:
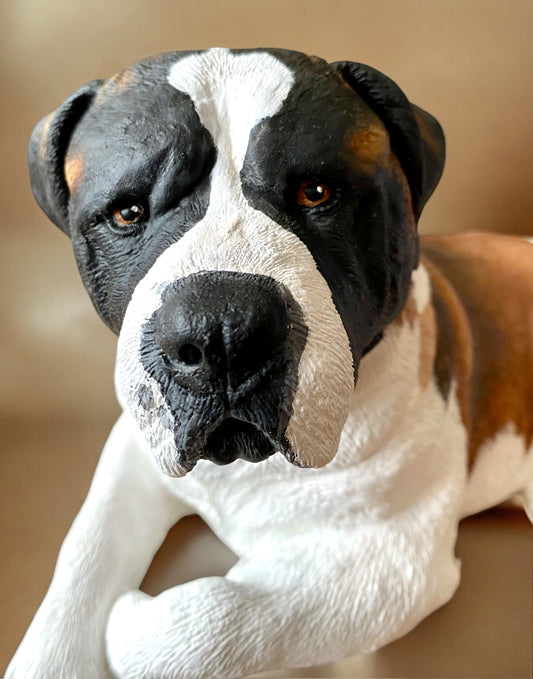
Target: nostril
[
  {"x": 221, "y": 326},
  {"x": 190, "y": 354}
]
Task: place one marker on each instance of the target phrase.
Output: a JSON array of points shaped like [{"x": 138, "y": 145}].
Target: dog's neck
[{"x": 392, "y": 380}]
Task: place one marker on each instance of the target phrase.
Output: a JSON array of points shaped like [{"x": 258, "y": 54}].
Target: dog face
[{"x": 246, "y": 221}]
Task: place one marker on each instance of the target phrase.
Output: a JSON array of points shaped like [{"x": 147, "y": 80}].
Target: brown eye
[
  {"x": 312, "y": 193},
  {"x": 128, "y": 215}
]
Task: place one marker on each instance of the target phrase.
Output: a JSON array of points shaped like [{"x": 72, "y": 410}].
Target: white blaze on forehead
[{"x": 231, "y": 93}]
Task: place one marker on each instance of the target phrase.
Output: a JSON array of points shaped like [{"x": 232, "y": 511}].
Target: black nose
[{"x": 220, "y": 326}]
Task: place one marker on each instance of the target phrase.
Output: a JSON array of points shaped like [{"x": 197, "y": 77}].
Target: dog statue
[{"x": 246, "y": 222}]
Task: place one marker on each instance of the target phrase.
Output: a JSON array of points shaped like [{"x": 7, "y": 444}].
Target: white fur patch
[
  {"x": 421, "y": 288},
  {"x": 231, "y": 93},
  {"x": 502, "y": 469}
]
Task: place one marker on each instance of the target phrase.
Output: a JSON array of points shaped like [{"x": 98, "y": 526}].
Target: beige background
[{"x": 468, "y": 62}]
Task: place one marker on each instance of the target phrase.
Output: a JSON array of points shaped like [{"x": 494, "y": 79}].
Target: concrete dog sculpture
[{"x": 246, "y": 221}]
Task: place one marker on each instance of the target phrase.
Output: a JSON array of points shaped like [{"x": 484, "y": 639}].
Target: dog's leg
[
  {"x": 106, "y": 552},
  {"x": 307, "y": 600}
]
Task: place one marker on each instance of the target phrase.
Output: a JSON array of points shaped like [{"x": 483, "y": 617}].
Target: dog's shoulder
[{"x": 482, "y": 296}]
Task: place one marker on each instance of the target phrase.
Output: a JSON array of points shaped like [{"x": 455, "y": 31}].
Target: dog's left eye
[
  {"x": 312, "y": 193},
  {"x": 128, "y": 215}
]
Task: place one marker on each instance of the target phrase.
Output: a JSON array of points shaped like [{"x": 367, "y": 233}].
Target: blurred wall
[{"x": 467, "y": 62}]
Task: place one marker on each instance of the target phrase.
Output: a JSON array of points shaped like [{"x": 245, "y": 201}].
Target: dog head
[{"x": 246, "y": 221}]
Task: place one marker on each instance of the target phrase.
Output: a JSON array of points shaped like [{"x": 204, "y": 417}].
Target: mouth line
[{"x": 233, "y": 438}]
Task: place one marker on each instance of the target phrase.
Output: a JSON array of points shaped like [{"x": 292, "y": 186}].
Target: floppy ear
[
  {"x": 47, "y": 150},
  {"x": 416, "y": 137}
]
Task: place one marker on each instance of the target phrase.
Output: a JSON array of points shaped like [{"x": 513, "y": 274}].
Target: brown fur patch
[
  {"x": 115, "y": 85},
  {"x": 453, "y": 355},
  {"x": 483, "y": 296},
  {"x": 371, "y": 145},
  {"x": 428, "y": 346},
  {"x": 409, "y": 312},
  {"x": 73, "y": 171},
  {"x": 344, "y": 81}
]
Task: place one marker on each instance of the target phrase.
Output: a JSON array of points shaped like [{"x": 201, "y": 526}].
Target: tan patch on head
[
  {"x": 73, "y": 172},
  {"x": 123, "y": 80},
  {"x": 115, "y": 85},
  {"x": 371, "y": 145},
  {"x": 344, "y": 81}
]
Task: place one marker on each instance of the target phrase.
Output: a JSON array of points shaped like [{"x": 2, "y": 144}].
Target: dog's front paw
[
  {"x": 180, "y": 634},
  {"x": 131, "y": 637}
]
